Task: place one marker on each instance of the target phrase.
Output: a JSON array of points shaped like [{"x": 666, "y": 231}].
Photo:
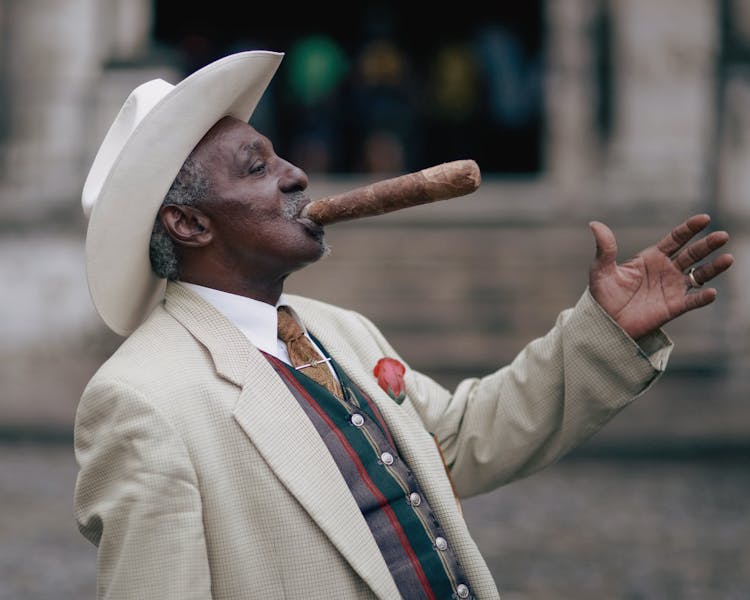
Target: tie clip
[{"x": 314, "y": 363}]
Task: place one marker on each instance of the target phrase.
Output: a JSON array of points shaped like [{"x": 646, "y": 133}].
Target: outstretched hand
[{"x": 656, "y": 285}]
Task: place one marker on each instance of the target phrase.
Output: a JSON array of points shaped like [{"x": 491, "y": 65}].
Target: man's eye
[{"x": 256, "y": 168}]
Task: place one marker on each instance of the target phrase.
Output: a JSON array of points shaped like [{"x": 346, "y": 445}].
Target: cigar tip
[{"x": 473, "y": 172}]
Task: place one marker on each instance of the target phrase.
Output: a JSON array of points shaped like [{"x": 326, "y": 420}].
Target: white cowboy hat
[{"x": 150, "y": 138}]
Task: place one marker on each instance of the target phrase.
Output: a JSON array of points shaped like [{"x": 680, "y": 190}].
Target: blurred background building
[{"x": 632, "y": 112}]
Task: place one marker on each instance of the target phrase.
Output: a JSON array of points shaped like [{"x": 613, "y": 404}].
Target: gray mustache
[{"x": 294, "y": 204}]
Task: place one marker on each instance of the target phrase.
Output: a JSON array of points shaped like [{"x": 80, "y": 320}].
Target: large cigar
[{"x": 447, "y": 180}]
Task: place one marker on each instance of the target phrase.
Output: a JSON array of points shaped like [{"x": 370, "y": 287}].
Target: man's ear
[{"x": 186, "y": 225}]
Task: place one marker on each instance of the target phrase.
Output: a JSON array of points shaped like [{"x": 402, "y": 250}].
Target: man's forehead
[{"x": 229, "y": 134}]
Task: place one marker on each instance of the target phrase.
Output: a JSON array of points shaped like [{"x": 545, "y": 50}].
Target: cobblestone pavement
[{"x": 584, "y": 529}]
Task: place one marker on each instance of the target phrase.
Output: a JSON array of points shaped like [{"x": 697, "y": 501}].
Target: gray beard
[{"x": 326, "y": 249}]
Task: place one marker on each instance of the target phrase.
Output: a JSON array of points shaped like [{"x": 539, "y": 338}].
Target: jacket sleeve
[
  {"x": 137, "y": 499},
  {"x": 557, "y": 392}
]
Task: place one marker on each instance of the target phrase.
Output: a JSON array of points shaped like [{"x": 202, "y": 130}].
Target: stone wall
[{"x": 459, "y": 286}]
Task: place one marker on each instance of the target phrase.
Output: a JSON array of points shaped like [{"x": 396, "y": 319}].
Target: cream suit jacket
[{"x": 201, "y": 477}]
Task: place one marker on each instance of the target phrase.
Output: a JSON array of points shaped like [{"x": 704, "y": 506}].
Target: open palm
[{"x": 652, "y": 288}]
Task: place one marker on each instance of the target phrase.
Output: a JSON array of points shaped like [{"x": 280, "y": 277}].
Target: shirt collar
[{"x": 257, "y": 320}]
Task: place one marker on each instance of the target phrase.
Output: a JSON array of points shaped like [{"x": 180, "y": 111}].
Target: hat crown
[{"x": 137, "y": 105}]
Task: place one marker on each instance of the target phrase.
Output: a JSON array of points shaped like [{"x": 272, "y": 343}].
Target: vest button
[
  {"x": 441, "y": 543},
  {"x": 462, "y": 591},
  {"x": 387, "y": 458},
  {"x": 415, "y": 499},
  {"x": 357, "y": 420}
]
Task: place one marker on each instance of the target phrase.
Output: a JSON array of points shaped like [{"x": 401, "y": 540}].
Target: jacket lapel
[{"x": 281, "y": 431}]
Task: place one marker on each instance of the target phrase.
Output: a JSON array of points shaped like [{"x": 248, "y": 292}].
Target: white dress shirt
[{"x": 257, "y": 320}]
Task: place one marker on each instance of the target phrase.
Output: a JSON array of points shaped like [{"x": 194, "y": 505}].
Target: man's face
[{"x": 254, "y": 203}]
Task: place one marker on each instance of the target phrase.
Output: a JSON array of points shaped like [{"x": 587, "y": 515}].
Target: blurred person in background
[
  {"x": 383, "y": 114},
  {"x": 247, "y": 443},
  {"x": 315, "y": 74}
]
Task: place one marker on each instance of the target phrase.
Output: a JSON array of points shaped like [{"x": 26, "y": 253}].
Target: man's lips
[
  {"x": 311, "y": 226},
  {"x": 298, "y": 202}
]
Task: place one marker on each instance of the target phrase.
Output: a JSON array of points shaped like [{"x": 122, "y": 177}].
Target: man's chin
[{"x": 322, "y": 251}]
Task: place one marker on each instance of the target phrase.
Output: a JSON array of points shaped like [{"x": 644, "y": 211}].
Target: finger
[
  {"x": 681, "y": 234},
  {"x": 700, "y": 249},
  {"x": 706, "y": 272},
  {"x": 699, "y": 298},
  {"x": 606, "y": 248}
]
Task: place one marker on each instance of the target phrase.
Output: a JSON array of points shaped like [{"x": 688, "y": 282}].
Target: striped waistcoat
[{"x": 409, "y": 536}]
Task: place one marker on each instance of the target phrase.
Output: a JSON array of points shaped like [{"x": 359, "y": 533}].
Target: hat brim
[{"x": 122, "y": 285}]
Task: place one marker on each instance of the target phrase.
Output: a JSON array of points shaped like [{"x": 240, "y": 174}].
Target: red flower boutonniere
[{"x": 390, "y": 374}]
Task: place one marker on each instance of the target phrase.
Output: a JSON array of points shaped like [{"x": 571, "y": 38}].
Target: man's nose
[{"x": 293, "y": 178}]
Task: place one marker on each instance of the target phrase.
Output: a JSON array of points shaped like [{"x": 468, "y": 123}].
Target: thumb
[{"x": 606, "y": 248}]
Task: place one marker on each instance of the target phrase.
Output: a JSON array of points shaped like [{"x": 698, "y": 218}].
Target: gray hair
[{"x": 189, "y": 188}]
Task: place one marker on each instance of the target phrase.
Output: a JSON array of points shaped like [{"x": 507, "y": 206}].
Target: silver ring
[{"x": 693, "y": 281}]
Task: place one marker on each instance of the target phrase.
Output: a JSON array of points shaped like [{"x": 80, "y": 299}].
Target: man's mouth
[
  {"x": 311, "y": 226},
  {"x": 299, "y": 201},
  {"x": 293, "y": 210}
]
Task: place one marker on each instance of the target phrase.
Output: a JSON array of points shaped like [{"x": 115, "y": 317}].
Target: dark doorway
[{"x": 378, "y": 87}]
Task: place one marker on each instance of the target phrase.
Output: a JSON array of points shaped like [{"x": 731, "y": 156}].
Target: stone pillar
[
  {"x": 128, "y": 23},
  {"x": 54, "y": 56},
  {"x": 734, "y": 170},
  {"x": 51, "y": 56},
  {"x": 4, "y": 92},
  {"x": 734, "y": 181},
  {"x": 570, "y": 98},
  {"x": 665, "y": 56},
  {"x": 734, "y": 184}
]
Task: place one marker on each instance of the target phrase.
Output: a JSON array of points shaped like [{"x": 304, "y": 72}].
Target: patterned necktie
[{"x": 303, "y": 354}]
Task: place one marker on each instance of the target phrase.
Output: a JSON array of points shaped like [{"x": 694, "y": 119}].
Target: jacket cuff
[{"x": 655, "y": 347}]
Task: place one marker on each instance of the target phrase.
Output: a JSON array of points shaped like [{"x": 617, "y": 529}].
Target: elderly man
[{"x": 238, "y": 445}]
